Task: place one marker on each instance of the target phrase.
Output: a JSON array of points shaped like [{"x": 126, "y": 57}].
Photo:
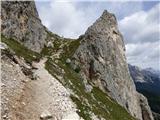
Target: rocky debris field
[{"x": 43, "y": 98}]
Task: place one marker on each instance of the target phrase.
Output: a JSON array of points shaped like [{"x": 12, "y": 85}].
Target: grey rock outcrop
[
  {"x": 3, "y": 46},
  {"x": 20, "y": 20},
  {"x": 146, "y": 112},
  {"x": 101, "y": 56}
]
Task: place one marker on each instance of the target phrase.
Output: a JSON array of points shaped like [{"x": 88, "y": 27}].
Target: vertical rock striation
[
  {"x": 103, "y": 63},
  {"x": 20, "y": 20}
]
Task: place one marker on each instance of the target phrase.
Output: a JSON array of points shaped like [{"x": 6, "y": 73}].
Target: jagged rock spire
[
  {"x": 102, "y": 58},
  {"x": 108, "y": 17}
]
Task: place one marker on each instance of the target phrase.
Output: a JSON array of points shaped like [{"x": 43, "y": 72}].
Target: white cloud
[
  {"x": 65, "y": 19},
  {"x": 142, "y": 37},
  {"x": 144, "y": 55},
  {"x": 71, "y": 19},
  {"x": 142, "y": 26}
]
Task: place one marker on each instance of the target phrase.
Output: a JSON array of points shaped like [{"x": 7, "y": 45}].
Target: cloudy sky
[{"x": 139, "y": 23}]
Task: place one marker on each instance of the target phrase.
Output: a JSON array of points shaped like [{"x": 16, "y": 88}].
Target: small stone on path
[{"x": 45, "y": 115}]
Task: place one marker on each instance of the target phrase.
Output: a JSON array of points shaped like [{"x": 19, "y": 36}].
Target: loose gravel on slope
[{"x": 43, "y": 96}]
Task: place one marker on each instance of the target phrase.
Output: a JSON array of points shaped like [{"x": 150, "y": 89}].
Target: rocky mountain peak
[
  {"x": 108, "y": 17},
  {"x": 101, "y": 56},
  {"x": 105, "y": 24},
  {"x": 105, "y": 28}
]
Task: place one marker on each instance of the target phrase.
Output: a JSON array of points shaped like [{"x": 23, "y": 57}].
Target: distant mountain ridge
[
  {"x": 149, "y": 77},
  {"x": 147, "y": 82}
]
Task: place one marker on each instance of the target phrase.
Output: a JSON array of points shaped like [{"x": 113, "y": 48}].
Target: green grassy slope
[
  {"x": 96, "y": 101},
  {"x": 20, "y": 50}
]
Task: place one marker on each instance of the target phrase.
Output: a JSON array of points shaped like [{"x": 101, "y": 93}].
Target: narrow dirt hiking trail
[{"x": 46, "y": 95}]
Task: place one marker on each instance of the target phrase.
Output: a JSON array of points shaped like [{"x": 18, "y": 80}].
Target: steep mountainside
[
  {"x": 102, "y": 58},
  {"x": 20, "y": 20},
  {"x": 46, "y": 76},
  {"x": 147, "y": 82}
]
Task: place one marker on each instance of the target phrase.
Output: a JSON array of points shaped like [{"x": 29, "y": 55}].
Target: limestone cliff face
[
  {"x": 103, "y": 62},
  {"x": 20, "y": 20}
]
